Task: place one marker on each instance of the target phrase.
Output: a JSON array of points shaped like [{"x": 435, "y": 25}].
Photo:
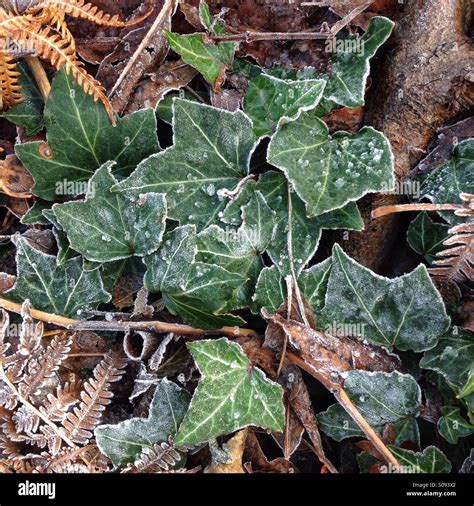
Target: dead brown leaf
[{"x": 235, "y": 448}]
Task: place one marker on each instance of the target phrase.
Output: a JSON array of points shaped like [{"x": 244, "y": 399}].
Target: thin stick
[
  {"x": 125, "y": 326},
  {"x": 249, "y": 37},
  {"x": 167, "y": 7},
  {"x": 342, "y": 397},
  {"x": 40, "y": 75},
  {"x": 403, "y": 208}
]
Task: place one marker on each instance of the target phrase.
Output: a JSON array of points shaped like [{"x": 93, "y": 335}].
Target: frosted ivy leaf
[
  {"x": 271, "y": 290},
  {"x": 407, "y": 312},
  {"x": 81, "y": 138},
  {"x": 108, "y": 226},
  {"x": 327, "y": 171},
  {"x": 453, "y": 426},
  {"x": 231, "y": 394},
  {"x": 123, "y": 442},
  {"x": 270, "y": 102},
  {"x": 380, "y": 397},
  {"x": 431, "y": 460},
  {"x": 296, "y": 236},
  {"x": 65, "y": 289},
  {"x": 192, "y": 288},
  {"x": 350, "y": 65},
  {"x": 426, "y": 237},
  {"x": 444, "y": 184},
  {"x": 453, "y": 358},
  {"x": 211, "y": 152}
]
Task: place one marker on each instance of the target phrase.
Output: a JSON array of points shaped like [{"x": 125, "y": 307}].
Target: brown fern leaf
[
  {"x": 29, "y": 344},
  {"x": 160, "y": 458},
  {"x": 59, "y": 52},
  {"x": 455, "y": 264},
  {"x": 55, "y": 407},
  {"x": 88, "y": 11},
  {"x": 40, "y": 370},
  {"x": 9, "y": 86},
  {"x": 95, "y": 397}
]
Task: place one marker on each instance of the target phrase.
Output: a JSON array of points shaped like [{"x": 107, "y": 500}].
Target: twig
[
  {"x": 402, "y": 208},
  {"x": 126, "y": 326},
  {"x": 40, "y": 75},
  {"x": 249, "y": 37},
  {"x": 343, "y": 399},
  {"x": 167, "y": 7}
]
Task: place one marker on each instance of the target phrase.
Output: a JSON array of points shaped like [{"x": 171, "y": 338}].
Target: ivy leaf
[
  {"x": 29, "y": 113},
  {"x": 406, "y": 312},
  {"x": 123, "y": 442},
  {"x": 453, "y": 426},
  {"x": 453, "y": 358},
  {"x": 380, "y": 397},
  {"x": 444, "y": 184},
  {"x": 63, "y": 290},
  {"x": 270, "y": 292},
  {"x": 431, "y": 460},
  {"x": 81, "y": 139},
  {"x": 230, "y": 395},
  {"x": 203, "y": 160},
  {"x": 107, "y": 226},
  {"x": 426, "y": 237},
  {"x": 211, "y": 60},
  {"x": 296, "y": 237},
  {"x": 350, "y": 66},
  {"x": 34, "y": 215},
  {"x": 193, "y": 289},
  {"x": 328, "y": 172},
  {"x": 270, "y": 102}
]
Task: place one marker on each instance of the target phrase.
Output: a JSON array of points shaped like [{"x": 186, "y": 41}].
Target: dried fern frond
[
  {"x": 81, "y": 9},
  {"x": 95, "y": 397},
  {"x": 455, "y": 264},
  {"x": 40, "y": 370},
  {"x": 59, "y": 52},
  {"x": 160, "y": 458},
  {"x": 55, "y": 406},
  {"x": 9, "y": 86},
  {"x": 30, "y": 333}
]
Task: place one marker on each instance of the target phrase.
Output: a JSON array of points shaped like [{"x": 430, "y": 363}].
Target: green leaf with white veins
[
  {"x": 231, "y": 394},
  {"x": 453, "y": 358},
  {"x": 350, "y": 65},
  {"x": 108, "y": 226},
  {"x": 82, "y": 138},
  {"x": 187, "y": 282},
  {"x": 431, "y": 460},
  {"x": 328, "y": 172},
  {"x": 406, "y": 312},
  {"x": 453, "y": 426},
  {"x": 211, "y": 60},
  {"x": 380, "y": 397},
  {"x": 444, "y": 184},
  {"x": 270, "y": 102},
  {"x": 211, "y": 151},
  {"x": 426, "y": 237},
  {"x": 64, "y": 290},
  {"x": 296, "y": 236},
  {"x": 123, "y": 442}
]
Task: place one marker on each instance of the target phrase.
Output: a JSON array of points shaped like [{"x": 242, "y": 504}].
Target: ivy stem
[{"x": 125, "y": 326}]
